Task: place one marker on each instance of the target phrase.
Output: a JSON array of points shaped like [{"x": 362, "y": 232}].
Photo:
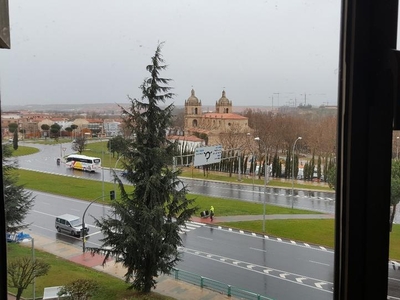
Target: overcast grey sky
[{"x": 96, "y": 51}]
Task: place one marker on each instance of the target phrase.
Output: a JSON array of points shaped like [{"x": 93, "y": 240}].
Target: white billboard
[{"x": 207, "y": 155}]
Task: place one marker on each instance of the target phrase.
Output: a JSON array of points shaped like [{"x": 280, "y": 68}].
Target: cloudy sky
[{"x": 262, "y": 52}]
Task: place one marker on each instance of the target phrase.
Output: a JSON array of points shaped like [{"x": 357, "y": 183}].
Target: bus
[{"x": 83, "y": 162}]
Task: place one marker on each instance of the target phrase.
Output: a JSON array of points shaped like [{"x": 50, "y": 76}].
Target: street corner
[{"x": 88, "y": 259}]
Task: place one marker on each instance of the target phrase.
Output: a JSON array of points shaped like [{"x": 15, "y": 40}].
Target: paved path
[{"x": 166, "y": 285}]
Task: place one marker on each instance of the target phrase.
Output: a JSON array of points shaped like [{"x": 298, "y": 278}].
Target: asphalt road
[
  {"x": 276, "y": 268},
  {"x": 272, "y": 267},
  {"x": 45, "y": 161},
  {"x": 250, "y": 262}
]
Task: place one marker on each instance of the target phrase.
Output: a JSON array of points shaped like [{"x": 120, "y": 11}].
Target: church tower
[
  {"x": 223, "y": 105},
  {"x": 193, "y": 111}
]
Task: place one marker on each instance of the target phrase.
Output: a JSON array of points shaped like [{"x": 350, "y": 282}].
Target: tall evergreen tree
[
  {"x": 15, "y": 140},
  {"x": 288, "y": 163},
  {"x": 319, "y": 168},
  {"x": 144, "y": 234},
  {"x": 17, "y": 200}
]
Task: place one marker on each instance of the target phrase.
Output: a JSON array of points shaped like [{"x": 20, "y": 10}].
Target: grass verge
[
  {"x": 24, "y": 150},
  {"x": 84, "y": 189},
  {"x": 63, "y": 272}
]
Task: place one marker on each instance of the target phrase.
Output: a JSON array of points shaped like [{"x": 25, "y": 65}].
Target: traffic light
[{"x": 112, "y": 195}]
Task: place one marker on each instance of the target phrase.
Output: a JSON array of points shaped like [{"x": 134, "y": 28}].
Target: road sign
[{"x": 207, "y": 155}]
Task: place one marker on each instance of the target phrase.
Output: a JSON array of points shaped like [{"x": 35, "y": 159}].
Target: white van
[{"x": 70, "y": 224}]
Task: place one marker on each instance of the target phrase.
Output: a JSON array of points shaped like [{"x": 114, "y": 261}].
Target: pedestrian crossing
[{"x": 189, "y": 226}]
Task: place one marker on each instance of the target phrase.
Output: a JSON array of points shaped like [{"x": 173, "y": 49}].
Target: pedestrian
[{"x": 212, "y": 212}]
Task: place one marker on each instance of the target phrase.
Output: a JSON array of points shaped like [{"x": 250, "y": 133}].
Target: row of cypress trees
[{"x": 279, "y": 167}]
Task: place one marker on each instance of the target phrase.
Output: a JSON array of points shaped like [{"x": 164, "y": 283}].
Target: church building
[{"x": 213, "y": 124}]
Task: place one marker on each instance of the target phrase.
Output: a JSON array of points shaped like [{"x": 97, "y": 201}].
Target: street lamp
[
  {"x": 83, "y": 223},
  {"x": 266, "y": 173},
  {"x": 294, "y": 145},
  {"x": 115, "y": 166}
]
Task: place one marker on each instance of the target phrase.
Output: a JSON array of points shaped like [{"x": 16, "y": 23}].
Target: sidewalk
[{"x": 166, "y": 285}]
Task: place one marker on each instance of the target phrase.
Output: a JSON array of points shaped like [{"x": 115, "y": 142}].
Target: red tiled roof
[{"x": 223, "y": 116}]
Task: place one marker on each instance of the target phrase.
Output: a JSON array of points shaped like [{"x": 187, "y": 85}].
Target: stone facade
[{"x": 213, "y": 124}]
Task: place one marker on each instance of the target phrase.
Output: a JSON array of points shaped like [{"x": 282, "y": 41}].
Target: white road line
[
  {"x": 197, "y": 223},
  {"x": 262, "y": 250},
  {"x": 204, "y": 238},
  {"x": 320, "y": 263},
  {"x": 320, "y": 284}
]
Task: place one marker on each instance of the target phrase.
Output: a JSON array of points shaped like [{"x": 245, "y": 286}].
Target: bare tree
[
  {"x": 79, "y": 144},
  {"x": 22, "y": 271}
]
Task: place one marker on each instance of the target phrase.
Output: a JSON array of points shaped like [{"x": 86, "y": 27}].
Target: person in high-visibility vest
[{"x": 211, "y": 212}]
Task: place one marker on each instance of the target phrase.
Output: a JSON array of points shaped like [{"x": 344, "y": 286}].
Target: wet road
[{"x": 45, "y": 161}]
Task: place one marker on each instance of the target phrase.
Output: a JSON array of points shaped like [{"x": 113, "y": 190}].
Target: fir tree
[
  {"x": 144, "y": 234},
  {"x": 17, "y": 200}
]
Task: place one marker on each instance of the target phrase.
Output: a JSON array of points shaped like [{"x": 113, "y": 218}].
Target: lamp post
[
  {"x": 83, "y": 223},
  {"x": 266, "y": 173},
  {"x": 33, "y": 262},
  {"x": 397, "y": 148},
  {"x": 294, "y": 146}
]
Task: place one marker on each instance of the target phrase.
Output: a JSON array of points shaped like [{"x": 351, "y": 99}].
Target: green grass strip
[{"x": 63, "y": 272}]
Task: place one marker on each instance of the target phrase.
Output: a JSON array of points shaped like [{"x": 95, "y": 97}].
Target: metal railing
[{"x": 214, "y": 285}]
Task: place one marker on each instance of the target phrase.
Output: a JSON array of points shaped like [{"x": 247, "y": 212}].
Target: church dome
[
  {"x": 223, "y": 100},
  {"x": 193, "y": 100}
]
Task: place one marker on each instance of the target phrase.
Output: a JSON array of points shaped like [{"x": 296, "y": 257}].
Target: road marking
[
  {"x": 283, "y": 275},
  {"x": 197, "y": 223},
  {"x": 250, "y": 266},
  {"x": 320, "y": 284},
  {"x": 320, "y": 263},
  {"x": 204, "y": 238},
  {"x": 395, "y": 279},
  {"x": 262, "y": 250},
  {"x": 273, "y": 239},
  {"x": 311, "y": 282},
  {"x": 301, "y": 279}
]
